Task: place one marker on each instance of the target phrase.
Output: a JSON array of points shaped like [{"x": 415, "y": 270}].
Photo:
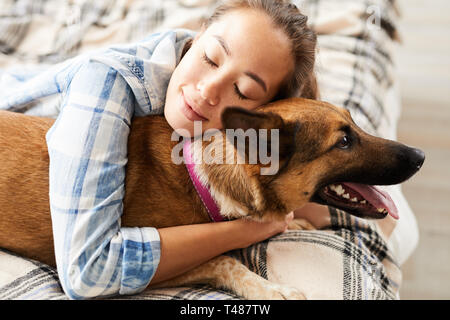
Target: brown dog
[{"x": 323, "y": 157}]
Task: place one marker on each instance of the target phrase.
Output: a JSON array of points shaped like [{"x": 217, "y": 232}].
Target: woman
[{"x": 249, "y": 53}]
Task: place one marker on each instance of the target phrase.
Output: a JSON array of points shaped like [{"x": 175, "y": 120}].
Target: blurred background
[{"x": 423, "y": 68}]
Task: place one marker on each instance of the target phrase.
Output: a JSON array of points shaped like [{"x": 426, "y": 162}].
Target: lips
[{"x": 188, "y": 110}]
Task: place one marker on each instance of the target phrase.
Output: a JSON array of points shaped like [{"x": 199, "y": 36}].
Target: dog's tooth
[
  {"x": 363, "y": 201},
  {"x": 346, "y": 196},
  {"x": 333, "y": 187},
  {"x": 380, "y": 210},
  {"x": 340, "y": 190},
  {"x": 354, "y": 199}
]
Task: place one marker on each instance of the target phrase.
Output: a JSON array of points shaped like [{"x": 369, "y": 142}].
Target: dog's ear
[{"x": 240, "y": 118}]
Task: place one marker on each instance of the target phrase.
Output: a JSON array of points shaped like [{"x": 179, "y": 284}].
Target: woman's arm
[
  {"x": 88, "y": 153},
  {"x": 185, "y": 247}
]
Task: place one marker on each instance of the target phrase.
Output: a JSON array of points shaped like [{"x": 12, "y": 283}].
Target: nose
[
  {"x": 417, "y": 158},
  {"x": 410, "y": 161},
  {"x": 209, "y": 91}
]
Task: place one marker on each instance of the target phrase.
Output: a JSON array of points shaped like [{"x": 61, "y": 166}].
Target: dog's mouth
[{"x": 361, "y": 200}]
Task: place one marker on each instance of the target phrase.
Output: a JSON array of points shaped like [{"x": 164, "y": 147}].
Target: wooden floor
[{"x": 423, "y": 64}]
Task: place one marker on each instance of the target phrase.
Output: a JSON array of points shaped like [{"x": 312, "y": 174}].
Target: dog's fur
[{"x": 310, "y": 159}]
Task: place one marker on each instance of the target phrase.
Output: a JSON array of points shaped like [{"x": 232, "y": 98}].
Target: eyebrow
[
  {"x": 257, "y": 79},
  {"x": 248, "y": 73},
  {"x": 223, "y": 44}
]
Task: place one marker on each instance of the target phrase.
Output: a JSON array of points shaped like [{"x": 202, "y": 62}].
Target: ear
[{"x": 240, "y": 118}]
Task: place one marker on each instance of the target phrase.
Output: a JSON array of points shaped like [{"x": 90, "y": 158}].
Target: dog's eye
[{"x": 344, "y": 143}]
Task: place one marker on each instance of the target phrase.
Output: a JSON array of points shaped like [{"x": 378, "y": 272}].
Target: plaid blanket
[{"x": 345, "y": 257}]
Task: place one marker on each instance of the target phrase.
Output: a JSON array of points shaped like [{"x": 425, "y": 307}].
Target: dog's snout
[{"x": 397, "y": 164}]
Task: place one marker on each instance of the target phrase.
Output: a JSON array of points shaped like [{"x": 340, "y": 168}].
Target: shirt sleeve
[{"x": 88, "y": 153}]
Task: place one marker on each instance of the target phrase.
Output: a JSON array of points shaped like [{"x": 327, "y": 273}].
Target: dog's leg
[{"x": 228, "y": 273}]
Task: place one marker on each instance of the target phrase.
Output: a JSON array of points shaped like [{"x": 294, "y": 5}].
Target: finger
[{"x": 290, "y": 216}]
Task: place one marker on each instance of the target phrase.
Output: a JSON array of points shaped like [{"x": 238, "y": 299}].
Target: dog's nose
[{"x": 417, "y": 158}]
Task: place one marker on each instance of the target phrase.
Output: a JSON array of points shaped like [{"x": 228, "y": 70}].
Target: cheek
[{"x": 190, "y": 69}]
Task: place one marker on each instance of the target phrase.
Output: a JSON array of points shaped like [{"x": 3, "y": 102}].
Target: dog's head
[{"x": 323, "y": 156}]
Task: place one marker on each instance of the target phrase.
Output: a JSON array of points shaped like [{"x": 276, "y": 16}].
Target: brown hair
[{"x": 302, "y": 81}]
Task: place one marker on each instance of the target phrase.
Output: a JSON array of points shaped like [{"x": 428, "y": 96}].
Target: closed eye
[
  {"x": 209, "y": 61},
  {"x": 239, "y": 93},
  {"x": 214, "y": 65}
]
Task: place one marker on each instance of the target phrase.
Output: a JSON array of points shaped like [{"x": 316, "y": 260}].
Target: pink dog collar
[{"x": 202, "y": 190}]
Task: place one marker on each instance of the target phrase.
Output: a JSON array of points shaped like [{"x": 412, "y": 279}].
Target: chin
[{"x": 180, "y": 125}]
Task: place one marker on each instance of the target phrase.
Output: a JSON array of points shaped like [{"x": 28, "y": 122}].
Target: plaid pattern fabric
[{"x": 347, "y": 258}]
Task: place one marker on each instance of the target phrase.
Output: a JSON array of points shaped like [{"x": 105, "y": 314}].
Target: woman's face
[{"x": 239, "y": 60}]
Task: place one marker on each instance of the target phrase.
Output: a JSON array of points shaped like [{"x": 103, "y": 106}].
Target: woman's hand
[
  {"x": 316, "y": 214},
  {"x": 256, "y": 231}
]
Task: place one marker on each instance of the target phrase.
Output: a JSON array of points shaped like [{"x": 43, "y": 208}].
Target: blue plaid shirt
[{"x": 94, "y": 97}]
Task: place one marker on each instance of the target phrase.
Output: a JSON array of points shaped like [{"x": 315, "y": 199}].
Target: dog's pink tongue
[{"x": 376, "y": 197}]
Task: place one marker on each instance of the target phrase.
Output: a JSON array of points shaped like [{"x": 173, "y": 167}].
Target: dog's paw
[
  {"x": 274, "y": 292},
  {"x": 289, "y": 293}
]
